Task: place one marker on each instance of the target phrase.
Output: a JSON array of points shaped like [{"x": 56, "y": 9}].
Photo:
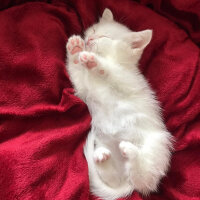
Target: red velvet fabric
[{"x": 43, "y": 126}]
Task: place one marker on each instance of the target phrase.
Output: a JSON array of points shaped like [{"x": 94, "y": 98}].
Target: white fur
[{"x": 128, "y": 147}]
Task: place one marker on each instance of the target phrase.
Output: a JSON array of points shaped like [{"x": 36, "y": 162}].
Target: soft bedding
[{"x": 43, "y": 126}]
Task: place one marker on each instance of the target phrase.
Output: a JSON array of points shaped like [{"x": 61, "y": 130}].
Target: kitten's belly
[
  {"x": 116, "y": 127},
  {"x": 116, "y": 122}
]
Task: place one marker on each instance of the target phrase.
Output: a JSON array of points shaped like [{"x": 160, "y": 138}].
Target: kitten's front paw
[
  {"x": 128, "y": 149},
  {"x": 75, "y": 45},
  {"x": 88, "y": 59},
  {"x": 101, "y": 154}
]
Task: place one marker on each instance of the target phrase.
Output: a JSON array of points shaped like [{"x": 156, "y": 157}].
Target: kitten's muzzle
[{"x": 90, "y": 39}]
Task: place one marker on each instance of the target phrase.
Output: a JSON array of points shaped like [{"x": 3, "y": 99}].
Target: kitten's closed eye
[{"x": 104, "y": 36}]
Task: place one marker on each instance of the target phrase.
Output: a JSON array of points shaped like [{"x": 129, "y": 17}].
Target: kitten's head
[{"x": 107, "y": 27}]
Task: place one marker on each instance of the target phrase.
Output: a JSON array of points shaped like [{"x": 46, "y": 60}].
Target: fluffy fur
[{"x": 128, "y": 147}]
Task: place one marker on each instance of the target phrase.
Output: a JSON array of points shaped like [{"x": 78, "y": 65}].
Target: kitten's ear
[
  {"x": 139, "y": 40},
  {"x": 107, "y": 15}
]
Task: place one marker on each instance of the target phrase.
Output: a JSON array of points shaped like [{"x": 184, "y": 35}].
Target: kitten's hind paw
[
  {"x": 128, "y": 149},
  {"x": 101, "y": 154}
]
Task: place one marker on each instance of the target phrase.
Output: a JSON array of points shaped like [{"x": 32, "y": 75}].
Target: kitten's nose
[{"x": 89, "y": 40}]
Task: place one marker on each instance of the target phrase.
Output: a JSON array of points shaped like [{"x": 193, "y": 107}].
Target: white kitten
[{"x": 128, "y": 147}]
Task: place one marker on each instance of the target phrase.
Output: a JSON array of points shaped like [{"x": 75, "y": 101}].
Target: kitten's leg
[
  {"x": 101, "y": 154},
  {"x": 131, "y": 153},
  {"x": 75, "y": 45},
  {"x": 75, "y": 70},
  {"x": 105, "y": 164},
  {"x": 148, "y": 164}
]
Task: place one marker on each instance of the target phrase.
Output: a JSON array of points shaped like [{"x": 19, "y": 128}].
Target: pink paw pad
[
  {"x": 90, "y": 65},
  {"x": 76, "y": 50},
  {"x": 75, "y": 61},
  {"x": 101, "y": 71}
]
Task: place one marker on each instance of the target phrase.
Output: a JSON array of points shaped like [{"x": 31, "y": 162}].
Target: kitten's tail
[{"x": 97, "y": 186}]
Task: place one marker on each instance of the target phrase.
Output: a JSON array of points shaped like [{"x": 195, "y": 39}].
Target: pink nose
[{"x": 89, "y": 40}]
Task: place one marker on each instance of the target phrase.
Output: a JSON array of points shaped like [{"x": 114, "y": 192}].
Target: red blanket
[{"x": 43, "y": 126}]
